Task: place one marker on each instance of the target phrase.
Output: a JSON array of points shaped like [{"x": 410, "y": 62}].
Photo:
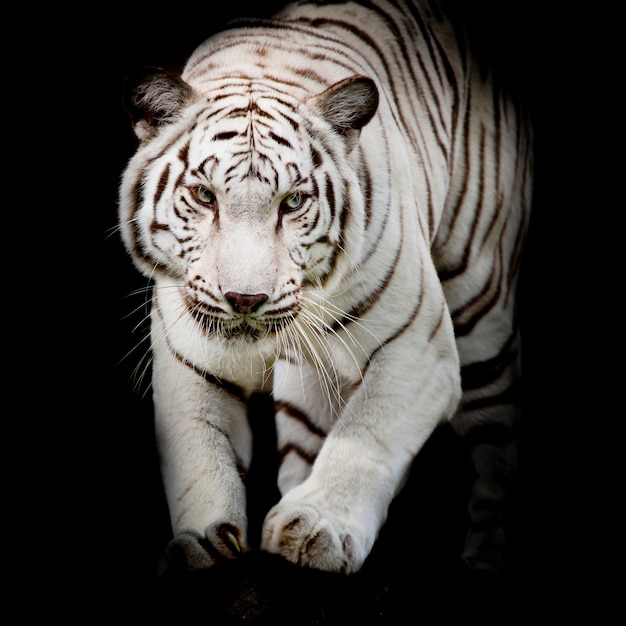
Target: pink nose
[{"x": 245, "y": 303}]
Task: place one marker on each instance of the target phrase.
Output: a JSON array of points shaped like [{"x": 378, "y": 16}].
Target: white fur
[{"x": 374, "y": 388}]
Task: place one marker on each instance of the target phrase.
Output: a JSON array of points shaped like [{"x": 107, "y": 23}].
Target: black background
[{"x": 100, "y": 482}]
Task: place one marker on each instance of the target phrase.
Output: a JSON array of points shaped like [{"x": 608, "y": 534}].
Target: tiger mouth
[{"x": 244, "y": 328}]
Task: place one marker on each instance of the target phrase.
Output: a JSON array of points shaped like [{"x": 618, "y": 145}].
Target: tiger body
[{"x": 331, "y": 205}]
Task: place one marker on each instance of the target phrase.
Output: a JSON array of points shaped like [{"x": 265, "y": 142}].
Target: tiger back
[{"x": 331, "y": 205}]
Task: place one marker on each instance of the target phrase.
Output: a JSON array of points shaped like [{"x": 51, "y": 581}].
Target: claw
[{"x": 228, "y": 537}]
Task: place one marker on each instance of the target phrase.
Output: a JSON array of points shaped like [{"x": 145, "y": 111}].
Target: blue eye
[
  {"x": 293, "y": 201},
  {"x": 203, "y": 195}
]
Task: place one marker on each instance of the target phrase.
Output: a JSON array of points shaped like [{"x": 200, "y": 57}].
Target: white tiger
[{"x": 331, "y": 205}]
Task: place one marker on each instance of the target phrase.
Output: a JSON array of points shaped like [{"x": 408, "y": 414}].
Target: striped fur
[{"x": 331, "y": 205}]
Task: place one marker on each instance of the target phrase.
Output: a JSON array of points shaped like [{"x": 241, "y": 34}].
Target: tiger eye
[
  {"x": 203, "y": 194},
  {"x": 293, "y": 201}
]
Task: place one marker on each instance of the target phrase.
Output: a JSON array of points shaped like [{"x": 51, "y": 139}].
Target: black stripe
[
  {"x": 406, "y": 325},
  {"x": 224, "y": 136},
  {"x": 162, "y": 184},
  {"x": 499, "y": 435},
  {"x": 300, "y": 416},
  {"x": 226, "y": 385},
  {"x": 303, "y": 454},
  {"x": 510, "y": 395},
  {"x": 483, "y": 373},
  {"x": 489, "y": 523}
]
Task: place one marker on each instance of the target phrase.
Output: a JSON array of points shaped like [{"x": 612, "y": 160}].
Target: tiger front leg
[
  {"x": 204, "y": 445},
  {"x": 331, "y": 520}
]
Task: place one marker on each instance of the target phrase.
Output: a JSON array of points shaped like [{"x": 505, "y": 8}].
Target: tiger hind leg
[{"x": 487, "y": 421}]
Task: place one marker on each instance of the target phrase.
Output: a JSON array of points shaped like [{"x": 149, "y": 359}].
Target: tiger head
[{"x": 243, "y": 195}]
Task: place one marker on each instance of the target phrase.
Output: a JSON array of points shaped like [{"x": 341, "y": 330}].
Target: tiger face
[{"x": 244, "y": 198}]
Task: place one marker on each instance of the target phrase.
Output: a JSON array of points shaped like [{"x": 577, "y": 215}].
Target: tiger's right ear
[{"x": 152, "y": 98}]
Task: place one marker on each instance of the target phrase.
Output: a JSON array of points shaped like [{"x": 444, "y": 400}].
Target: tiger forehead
[
  {"x": 249, "y": 114},
  {"x": 251, "y": 97},
  {"x": 250, "y": 133}
]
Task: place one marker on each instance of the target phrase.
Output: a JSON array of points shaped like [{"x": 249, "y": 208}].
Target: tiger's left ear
[
  {"x": 348, "y": 105},
  {"x": 154, "y": 97}
]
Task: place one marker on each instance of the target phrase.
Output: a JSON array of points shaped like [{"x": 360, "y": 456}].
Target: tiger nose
[{"x": 245, "y": 303}]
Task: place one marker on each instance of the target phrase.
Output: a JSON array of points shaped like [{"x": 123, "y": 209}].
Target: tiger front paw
[
  {"x": 189, "y": 551},
  {"x": 307, "y": 536}
]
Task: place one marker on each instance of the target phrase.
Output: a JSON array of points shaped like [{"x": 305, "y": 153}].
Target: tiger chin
[{"x": 339, "y": 224}]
